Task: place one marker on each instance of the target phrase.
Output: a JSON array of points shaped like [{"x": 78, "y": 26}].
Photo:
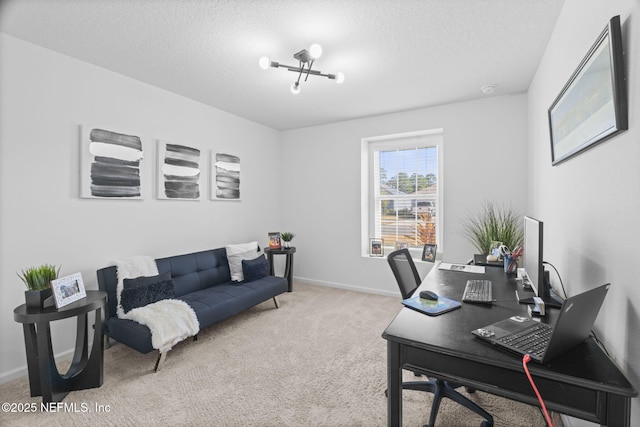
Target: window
[{"x": 403, "y": 189}]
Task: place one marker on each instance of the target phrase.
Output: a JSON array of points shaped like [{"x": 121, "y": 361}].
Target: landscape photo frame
[
  {"x": 592, "y": 105},
  {"x": 68, "y": 289}
]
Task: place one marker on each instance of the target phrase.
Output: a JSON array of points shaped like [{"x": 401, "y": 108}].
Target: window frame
[{"x": 400, "y": 141}]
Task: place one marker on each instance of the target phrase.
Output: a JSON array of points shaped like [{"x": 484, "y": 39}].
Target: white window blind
[{"x": 404, "y": 203}]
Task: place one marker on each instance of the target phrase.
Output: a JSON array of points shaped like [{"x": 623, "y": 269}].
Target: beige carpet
[{"x": 319, "y": 360}]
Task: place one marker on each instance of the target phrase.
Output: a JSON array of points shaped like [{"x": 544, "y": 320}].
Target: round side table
[
  {"x": 86, "y": 371},
  {"x": 288, "y": 266}
]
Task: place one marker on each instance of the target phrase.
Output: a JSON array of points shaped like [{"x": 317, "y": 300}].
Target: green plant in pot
[
  {"x": 38, "y": 282},
  {"x": 287, "y": 237},
  {"x": 492, "y": 223}
]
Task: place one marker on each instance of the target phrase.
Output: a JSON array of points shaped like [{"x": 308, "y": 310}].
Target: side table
[
  {"x": 288, "y": 266},
  {"x": 86, "y": 371}
]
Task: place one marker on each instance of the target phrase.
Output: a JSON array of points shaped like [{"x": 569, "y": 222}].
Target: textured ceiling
[{"x": 396, "y": 55}]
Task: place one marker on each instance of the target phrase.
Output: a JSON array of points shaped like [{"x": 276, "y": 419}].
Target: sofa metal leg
[
  {"x": 107, "y": 342},
  {"x": 276, "y": 302},
  {"x": 195, "y": 337},
  {"x": 160, "y": 361}
]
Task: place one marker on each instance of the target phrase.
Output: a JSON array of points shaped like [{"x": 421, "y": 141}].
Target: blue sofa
[{"x": 202, "y": 280}]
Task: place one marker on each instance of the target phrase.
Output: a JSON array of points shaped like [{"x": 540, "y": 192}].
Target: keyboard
[
  {"x": 478, "y": 291},
  {"x": 533, "y": 340}
]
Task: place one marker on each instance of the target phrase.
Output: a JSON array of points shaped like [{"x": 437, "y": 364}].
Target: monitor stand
[{"x": 552, "y": 300}]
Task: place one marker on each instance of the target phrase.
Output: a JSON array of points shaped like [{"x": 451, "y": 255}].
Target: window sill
[{"x": 416, "y": 254}]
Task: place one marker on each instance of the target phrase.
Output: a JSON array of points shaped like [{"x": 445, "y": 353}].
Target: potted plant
[
  {"x": 286, "y": 237},
  {"x": 38, "y": 281},
  {"x": 494, "y": 224}
]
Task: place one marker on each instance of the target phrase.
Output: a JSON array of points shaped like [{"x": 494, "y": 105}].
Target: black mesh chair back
[{"x": 405, "y": 272}]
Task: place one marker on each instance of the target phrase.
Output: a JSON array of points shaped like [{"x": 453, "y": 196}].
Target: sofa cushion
[
  {"x": 223, "y": 301},
  {"x": 254, "y": 269},
  {"x": 236, "y": 253},
  {"x": 195, "y": 271},
  {"x": 142, "y": 291}
]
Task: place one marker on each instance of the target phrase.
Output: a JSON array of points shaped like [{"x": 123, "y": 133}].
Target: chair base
[{"x": 441, "y": 389}]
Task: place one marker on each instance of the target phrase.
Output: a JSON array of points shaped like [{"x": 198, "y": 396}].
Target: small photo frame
[
  {"x": 429, "y": 253},
  {"x": 68, "y": 289},
  {"x": 274, "y": 240},
  {"x": 401, "y": 245},
  {"x": 376, "y": 247}
]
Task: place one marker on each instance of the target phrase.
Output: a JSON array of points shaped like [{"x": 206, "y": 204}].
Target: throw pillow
[
  {"x": 236, "y": 253},
  {"x": 254, "y": 269},
  {"x": 146, "y": 280},
  {"x": 143, "y": 291}
]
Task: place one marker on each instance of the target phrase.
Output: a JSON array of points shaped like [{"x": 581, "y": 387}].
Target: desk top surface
[{"x": 450, "y": 333}]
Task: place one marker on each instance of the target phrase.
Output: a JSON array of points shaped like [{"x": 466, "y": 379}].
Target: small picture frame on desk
[
  {"x": 68, "y": 289},
  {"x": 274, "y": 240},
  {"x": 429, "y": 252},
  {"x": 376, "y": 247}
]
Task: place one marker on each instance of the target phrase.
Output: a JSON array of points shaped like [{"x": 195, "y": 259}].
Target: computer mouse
[{"x": 429, "y": 295}]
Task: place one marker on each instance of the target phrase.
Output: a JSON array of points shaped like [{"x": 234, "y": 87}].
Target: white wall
[
  {"x": 45, "y": 97},
  {"x": 484, "y": 158},
  {"x": 590, "y": 203}
]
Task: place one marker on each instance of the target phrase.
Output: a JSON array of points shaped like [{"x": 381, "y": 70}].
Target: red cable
[{"x": 526, "y": 360}]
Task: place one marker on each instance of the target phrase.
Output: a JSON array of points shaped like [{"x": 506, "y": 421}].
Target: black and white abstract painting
[
  {"x": 110, "y": 164},
  {"x": 178, "y": 172},
  {"x": 225, "y": 177}
]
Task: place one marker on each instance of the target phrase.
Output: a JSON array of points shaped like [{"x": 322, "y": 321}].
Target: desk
[
  {"x": 84, "y": 372},
  {"x": 583, "y": 382},
  {"x": 288, "y": 263}
]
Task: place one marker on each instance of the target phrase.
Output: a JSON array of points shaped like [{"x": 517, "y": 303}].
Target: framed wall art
[
  {"x": 225, "y": 177},
  {"x": 178, "y": 172},
  {"x": 110, "y": 164},
  {"x": 592, "y": 106}
]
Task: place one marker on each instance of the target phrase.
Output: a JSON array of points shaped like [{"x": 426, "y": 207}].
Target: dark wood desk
[
  {"x": 85, "y": 371},
  {"x": 583, "y": 383},
  {"x": 288, "y": 263}
]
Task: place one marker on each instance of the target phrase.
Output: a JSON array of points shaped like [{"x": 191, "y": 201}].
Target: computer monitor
[{"x": 533, "y": 267}]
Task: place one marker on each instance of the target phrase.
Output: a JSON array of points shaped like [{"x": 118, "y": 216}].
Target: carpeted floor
[{"x": 319, "y": 360}]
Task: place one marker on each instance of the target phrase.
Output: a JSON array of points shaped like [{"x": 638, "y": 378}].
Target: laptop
[{"x": 542, "y": 341}]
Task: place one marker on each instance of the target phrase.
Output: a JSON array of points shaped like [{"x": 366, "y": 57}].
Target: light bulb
[
  {"x": 295, "y": 88},
  {"x": 264, "y": 63},
  {"x": 339, "y": 78},
  {"x": 315, "y": 50}
]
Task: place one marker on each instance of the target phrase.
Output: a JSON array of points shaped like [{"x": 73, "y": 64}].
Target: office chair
[{"x": 408, "y": 280}]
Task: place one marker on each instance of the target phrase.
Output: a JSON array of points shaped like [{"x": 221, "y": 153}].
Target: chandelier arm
[
  {"x": 300, "y": 74},
  {"x": 309, "y": 70},
  {"x": 295, "y": 69}
]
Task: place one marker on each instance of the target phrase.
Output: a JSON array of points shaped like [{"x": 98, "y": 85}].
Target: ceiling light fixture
[
  {"x": 305, "y": 58},
  {"x": 488, "y": 89}
]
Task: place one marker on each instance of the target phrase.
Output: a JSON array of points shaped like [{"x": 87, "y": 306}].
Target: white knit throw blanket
[{"x": 169, "y": 320}]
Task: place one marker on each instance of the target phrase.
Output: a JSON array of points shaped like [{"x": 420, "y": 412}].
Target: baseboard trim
[
  {"x": 22, "y": 370},
  {"x": 346, "y": 287},
  {"x": 575, "y": 422}
]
